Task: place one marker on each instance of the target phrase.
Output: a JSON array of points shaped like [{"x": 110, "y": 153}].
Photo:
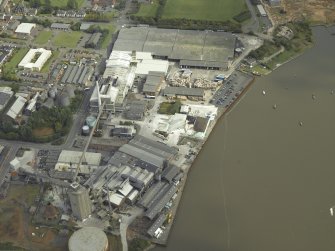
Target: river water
[{"x": 262, "y": 182}]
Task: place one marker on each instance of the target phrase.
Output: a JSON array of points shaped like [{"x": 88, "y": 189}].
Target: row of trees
[{"x": 46, "y": 7}]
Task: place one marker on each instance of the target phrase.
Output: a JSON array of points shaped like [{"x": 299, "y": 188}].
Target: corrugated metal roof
[{"x": 184, "y": 91}]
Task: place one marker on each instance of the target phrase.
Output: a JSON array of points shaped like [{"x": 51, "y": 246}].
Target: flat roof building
[
  {"x": 25, "y": 28},
  {"x": 153, "y": 83},
  {"x": 197, "y": 93},
  {"x": 17, "y": 107},
  {"x": 35, "y": 59},
  {"x": 5, "y": 94},
  {"x": 200, "y": 49},
  {"x": 60, "y": 26}
]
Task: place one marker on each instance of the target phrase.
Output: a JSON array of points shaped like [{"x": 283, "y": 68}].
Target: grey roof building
[
  {"x": 134, "y": 110},
  {"x": 153, "y": 83},
  {"x": 183, "y": 91},
  {"x": 203, "y": 49},
  {"x": 60, "y": 26}
]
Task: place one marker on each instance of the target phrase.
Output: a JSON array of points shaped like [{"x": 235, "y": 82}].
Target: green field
[
  {"x": 148, "y": 10},
  {"x": 47, "y": 65},
  {"x": 106, "y": 40},
  {"x": 63, "y": 3},
  {"x": 15, "y": 60},
  {"x": 43, "y": 37},
  {"x": 67, "y": 39},
  {"x": 211, "y": 10}
]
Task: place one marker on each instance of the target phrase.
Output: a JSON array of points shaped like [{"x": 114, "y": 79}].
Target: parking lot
[{"x": 231, "y": 89}]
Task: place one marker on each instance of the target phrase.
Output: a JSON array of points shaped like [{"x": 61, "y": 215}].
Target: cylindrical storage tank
[
  {"x": 88, "y": 239},
  {"x": 90, "y": 121},
  {"x": 86, "y": 130}
]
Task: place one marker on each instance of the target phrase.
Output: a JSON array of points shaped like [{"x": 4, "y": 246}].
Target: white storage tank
[
  {"x": 90, "y": 121},
  {"x": 88, "y": 239},
  {"x": 86, "y": 130}
]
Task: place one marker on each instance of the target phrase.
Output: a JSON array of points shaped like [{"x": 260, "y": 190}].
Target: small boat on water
[
  {"x": 331, "y": 211},
  {"x": 263, "y": 92},
  {"x": 274, "y": 106},
  {"x": 300, "y": 123},
  {"x": 313, "y": 96}
]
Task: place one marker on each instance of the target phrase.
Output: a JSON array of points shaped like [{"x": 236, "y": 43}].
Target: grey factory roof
[
  {"x": 142, "y": 155},
  {"x": 154, "y": 147},
  {"x": 201, "y": 124},
  {"x": 94, "y": 39},
  {"x": 206, "y": 64},
  {"x": 183, "y": 91},
  {"x": 4, "y": 97},
  {"x": 170, "y": 172},
  {"x": 151, "y": 194},
  {"x": 178, "y": 44},
  {"x": 159, "y": 204},
  {"x": 157, "y": 224},
  {"x": 76, "y": 74},
  {"x": 135, "y": 109},
  {"x": 153, "y": 81},
  {"x": 60, "y": 26}
]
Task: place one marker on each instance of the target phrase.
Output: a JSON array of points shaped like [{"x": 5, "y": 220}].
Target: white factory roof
[
  {"x": 66, "y": 167},
  {"x": 17, "y": 107},
  {"x": 115, "y": 198},
  {"x": 133, "y": 195},
  {"x": 88, "y": 239},
  {"x": 25, "y": 28},
  {"x": 92, "y": 159},
  {"x": 209, "y": 111},
  {"x": 147, "y": 65},
  {"x": 43, "y": 57},
  {"x": 125, "y": 189},
  {"x": 261, "y": 9},
  {"x": 143, "y": 55},
  {"x": 118, "y": 59}
]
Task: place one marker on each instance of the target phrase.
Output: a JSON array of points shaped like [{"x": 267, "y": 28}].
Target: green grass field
[
  {"x": 211, "y": 10},
  {"x": 148, "y": 10},
  {"x": 43, "y": 37},
  {"x": 67, "y": 39},
  {"x": 47, "y": 65},
  {"x": 108, "y": 38},
  {"x": 15, "y": 60},
  {"x": 63, "y": 3}
]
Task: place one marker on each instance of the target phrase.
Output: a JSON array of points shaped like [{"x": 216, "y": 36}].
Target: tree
[{"x": 72, "y": 4}]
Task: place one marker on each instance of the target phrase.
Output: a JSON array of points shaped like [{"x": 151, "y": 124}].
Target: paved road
[
  {"x": 4, "y": 167},
  {"x": 253, "y": 24}
]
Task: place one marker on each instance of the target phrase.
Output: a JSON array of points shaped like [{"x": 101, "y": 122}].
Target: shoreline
[{"x": 221, "y": 115}]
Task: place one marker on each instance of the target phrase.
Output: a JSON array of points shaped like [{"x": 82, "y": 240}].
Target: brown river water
[{"x": 263, "y": 182}]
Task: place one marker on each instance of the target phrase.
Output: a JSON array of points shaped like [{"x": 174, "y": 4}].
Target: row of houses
[{"x": 71, "y": 13}]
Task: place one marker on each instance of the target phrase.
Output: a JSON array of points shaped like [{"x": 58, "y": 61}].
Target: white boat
[
  {"x": 331, "y": 211},
  {"x": 263, "y": 92},
  {"x": 274, "y": 106}
]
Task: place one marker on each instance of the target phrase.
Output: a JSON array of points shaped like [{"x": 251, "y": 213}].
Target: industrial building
[
  {"x": 16, "y": 109},
  {"x": 25, "y": 29},
  {"x": 35, "y": 59},
  {"x": 5, "y": 94},
  {"x": 105, "y": 93},
  {"x": 135, "y": 109},
  {"x": 68, "y": 161},
  {"x": 81, "y": 204},
  {"x": 78, "y": 75},
  {"x": 60, "y": 26},
  {"x": 119, "y": 72},
  {"x": 93, "y": 41},
  {"x": 199, "y": 49},
  {"x": 184, "y": 92},
  {"x": 123, "y": 131},
  {"x": 31, "y": 107},
  {"x": 275, "y": 3},
  {"x": 205, "y": 111},
  {"x": 153, "y": 84},
  {"x": 88, "y": 239}
]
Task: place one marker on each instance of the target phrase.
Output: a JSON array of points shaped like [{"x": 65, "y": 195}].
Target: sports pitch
[{"x": 211, "y": 10}]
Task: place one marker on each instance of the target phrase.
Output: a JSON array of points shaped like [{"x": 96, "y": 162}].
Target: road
[
  {"x": 4, "y": 167},
  {"x": 253, "y": 24}
]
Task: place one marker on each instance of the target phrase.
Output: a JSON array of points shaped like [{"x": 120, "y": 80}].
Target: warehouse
[
  {"x": 153, "y": 84},
  {"x": 25, "y": 29},
  {"x": 73, "y": 157},
  {"x": 184, "y": 92},
  {"x": 78, "y": 75},
  {"x": 17, "y": 107},
  {"x": 93, "y": 41},
  {"x": 144, "y": 66},
  {"x": 135, "y": 109},
  {"x": 35, "y": 59},
  {"x": 199, "y": 49},
  {"x": 60, "y": 26},
  {"x": 261, "y": 10}
]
